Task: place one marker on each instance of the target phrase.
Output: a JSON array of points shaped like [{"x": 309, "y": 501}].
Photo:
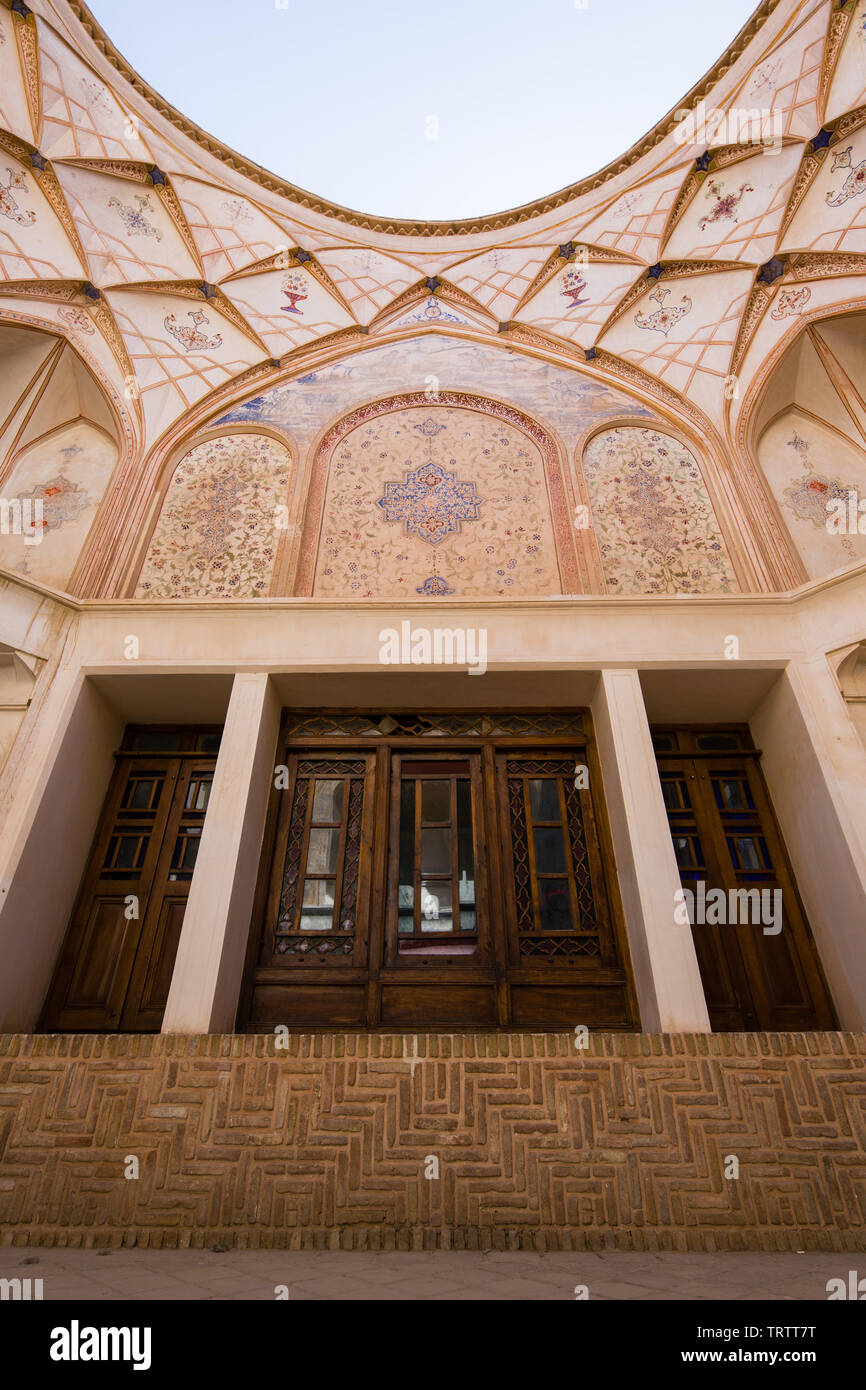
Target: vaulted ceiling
[{"x": 184, "y": 274}]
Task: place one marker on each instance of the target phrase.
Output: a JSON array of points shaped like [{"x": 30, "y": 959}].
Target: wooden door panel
[
  {"x": 725, "y": 833},
  {"x": 94, "y": 991},
  {"x": 115, "y": 967},
  {"x": 439, "y": 1005},
  {"x": 151, "y": 978},
  {"x": 725, "y": 980}
]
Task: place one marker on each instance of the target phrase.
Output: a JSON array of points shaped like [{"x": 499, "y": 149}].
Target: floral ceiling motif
[
  {"x": 656, "y": 527},
  {"x": 100, "y": 187},
  {"x": 430, "y": 502},
  {"x": 466, "y": 483},
  {"x": 219, "y": 528}
]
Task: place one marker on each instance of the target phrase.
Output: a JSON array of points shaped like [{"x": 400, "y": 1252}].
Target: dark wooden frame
[
  {"x": 136, "y": 954},
  {"x": 490, "y": 989},
  {"x": 736, "y": 962}
]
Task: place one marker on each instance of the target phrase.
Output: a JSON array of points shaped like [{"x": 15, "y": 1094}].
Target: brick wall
[{"x": 540, "y": 1146}]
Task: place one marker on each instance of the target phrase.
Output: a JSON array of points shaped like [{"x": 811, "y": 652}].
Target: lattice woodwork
[{"x": 315, "y": 725}]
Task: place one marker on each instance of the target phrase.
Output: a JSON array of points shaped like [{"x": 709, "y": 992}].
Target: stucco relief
[
  {"x": 221, "y": 521},
  {"x": 655, "y": 524},
  {"x": 436, "y": 499}
]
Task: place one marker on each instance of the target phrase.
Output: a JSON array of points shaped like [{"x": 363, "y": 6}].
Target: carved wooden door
[
  {"x": 437, "y": 871},
  {"x": 760, "y": 971},
  {"x": 115, "y": 967}
]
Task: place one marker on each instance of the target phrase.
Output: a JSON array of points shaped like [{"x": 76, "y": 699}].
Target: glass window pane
[
  {"x": 710, "y": 742},
  {"x": 328, "y": 801},
  {"x": 142, "y": 793},
  {"x": 127, "y": 855},
  {"x": 675, "y": 795},
  {"x": 684, "y": 849},
  {"x": 465, "y": 847},
  {"x": 436, "y": 905},
  {"x": 555, "y": 905},
  {"x": 406, "y": 889},
  {"x": 198, "y": 795},
  {"x": 317, "y": 907},
  {"x": 549, "y": 851},
  {"x": 156, "y": 742},
  {"x": 435, "y": 851},
  {"x": 435, "y": 801},
  {"x": 322, "y": 853},
  {"x": 749, "y": 852},
  {"x": 544, "y": 798},
  {"x": 732, "y": 794},
  {"x": 208, "y": 743}
]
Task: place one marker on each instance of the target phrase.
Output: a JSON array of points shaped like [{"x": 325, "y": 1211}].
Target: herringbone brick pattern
[{"x": 334, "y": 1142}]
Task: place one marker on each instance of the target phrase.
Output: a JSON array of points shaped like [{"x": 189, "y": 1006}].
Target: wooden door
[
  {"x": 312, "y": 962},
  {"x": 758, "y": 963},
  {"x": 115, "y": 967},
  {"x": 566, "y": 959},
  {"x": 421, "y": 833}
]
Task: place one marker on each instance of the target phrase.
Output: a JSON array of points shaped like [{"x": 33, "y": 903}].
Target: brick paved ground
[{"x": 142, "y": 1275}]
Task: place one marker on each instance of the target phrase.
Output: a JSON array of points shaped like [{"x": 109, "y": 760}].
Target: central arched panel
[{"x": 459, "y": 495}]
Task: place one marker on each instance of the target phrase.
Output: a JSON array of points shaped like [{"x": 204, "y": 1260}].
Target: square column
[
  {"x": 814, "y": 764},
  {"x": 206, "y": 980},
  {"x": 667, "y": 977},
  {"x": 53, "y": 788}
]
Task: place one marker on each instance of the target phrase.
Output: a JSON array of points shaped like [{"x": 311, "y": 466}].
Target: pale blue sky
[{"x": 336, "y": 95}]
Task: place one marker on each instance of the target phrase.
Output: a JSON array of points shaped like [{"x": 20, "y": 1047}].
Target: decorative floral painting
[
  {"x": 808, "y": 466},
  {"x": 655, "y": 524},
  {"x": 66, "y": 473},
  {"x": 436, "y": 500},
  {"x": 220, "y": 524}
]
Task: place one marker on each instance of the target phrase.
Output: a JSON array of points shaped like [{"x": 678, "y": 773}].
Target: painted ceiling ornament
[
  {"x": 855, "y": 183},
  {"x": 790, "y": 303},
  {"x": 236, "y": 211},
  {"x": 133, "y": 218},
  {"x": 62, "y": 500},
  {"x": 809, "y": 498},
  {"x": 573, "y": 285},
  {"x": 725, "y": 207},
  {"x": 8, "y": 203},
  {"x": 765, "y": 77},
  {"x": 434, "y": 585},
  {"x": 95, "y": 95},
  {"x": 625, "y": 205},
  {"x": 433, "y": 312},
  {"x": 430, "y": 502},
  {"x": 295, "y": 287},
  {"x": 77, "y": 319},
  {"x": 429, "y": 427},
  {"x": 189, "y": 336},
  {"x": 663, "y": 319}
]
